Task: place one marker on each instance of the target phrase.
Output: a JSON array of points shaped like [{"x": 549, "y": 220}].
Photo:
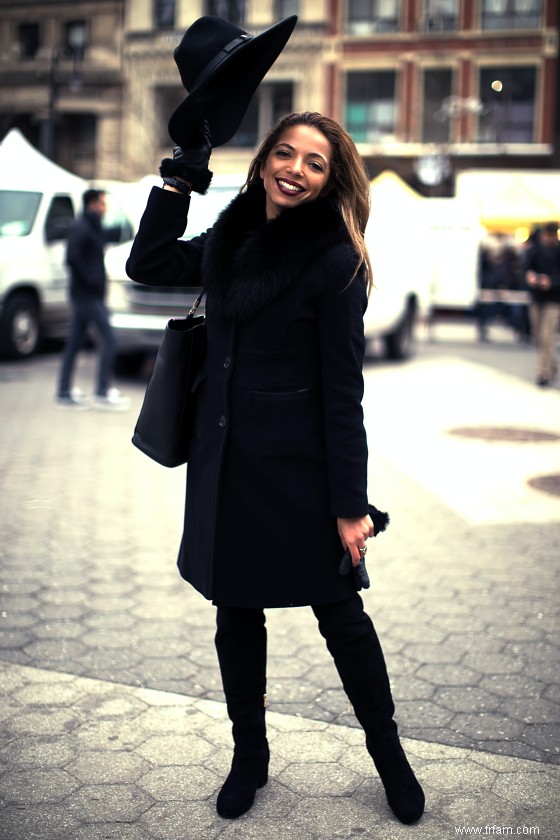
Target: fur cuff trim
[{"x": 199, "y": 179}]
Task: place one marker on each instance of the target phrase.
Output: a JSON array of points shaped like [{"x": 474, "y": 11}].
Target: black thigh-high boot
[
  {"x": 241, "y": 647},
  {"x": 355, "y": 648}
]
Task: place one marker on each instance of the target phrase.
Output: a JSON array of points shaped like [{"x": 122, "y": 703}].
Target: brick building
[{"x": 426, "y": 87}]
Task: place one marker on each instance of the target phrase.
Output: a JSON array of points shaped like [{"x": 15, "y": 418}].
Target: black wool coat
[{"x": 279, "y": 447}]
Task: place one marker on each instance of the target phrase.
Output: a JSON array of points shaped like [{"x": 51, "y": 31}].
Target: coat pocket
[{"x": 288, "y": 422}]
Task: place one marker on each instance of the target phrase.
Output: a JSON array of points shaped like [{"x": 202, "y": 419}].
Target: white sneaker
[
  {"x": 75, "y": 399},
  {"x": 113, "y": 400}
]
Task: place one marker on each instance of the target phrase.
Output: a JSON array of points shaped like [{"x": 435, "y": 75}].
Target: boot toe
[{"x": 407, "y": 805}]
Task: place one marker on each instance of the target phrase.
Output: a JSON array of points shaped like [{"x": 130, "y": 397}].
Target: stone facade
[{"x": 106, "y": 111}]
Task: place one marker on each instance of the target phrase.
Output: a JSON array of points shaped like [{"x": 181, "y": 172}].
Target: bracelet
[{"x": 177, "y": 184}]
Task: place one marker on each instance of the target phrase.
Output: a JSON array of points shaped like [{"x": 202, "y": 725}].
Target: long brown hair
[{"x": 348, "y": 182}]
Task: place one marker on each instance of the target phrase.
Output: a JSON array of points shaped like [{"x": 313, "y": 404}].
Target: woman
[{"x": 278, "y": 465}]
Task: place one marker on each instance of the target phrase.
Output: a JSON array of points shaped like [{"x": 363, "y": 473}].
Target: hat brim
[{"x": 223, "y": 98}]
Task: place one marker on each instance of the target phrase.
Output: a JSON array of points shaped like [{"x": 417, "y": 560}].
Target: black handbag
[{"x": 165, "y": 424}]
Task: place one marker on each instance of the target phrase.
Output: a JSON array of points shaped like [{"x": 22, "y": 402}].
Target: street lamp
[
  {"x": 433, "y": 169},
  {"x": 74, "y": 50}
]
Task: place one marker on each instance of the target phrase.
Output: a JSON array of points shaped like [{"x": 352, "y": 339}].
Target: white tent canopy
[
  {"x": 23, "y": 167},
  {"x": 511, "y": 200}
]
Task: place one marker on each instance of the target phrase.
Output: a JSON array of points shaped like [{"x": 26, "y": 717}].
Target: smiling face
[{"x": 297, "y": 169}]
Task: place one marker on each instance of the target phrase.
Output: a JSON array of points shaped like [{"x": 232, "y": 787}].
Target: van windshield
[{"x": 17, "y": 212}]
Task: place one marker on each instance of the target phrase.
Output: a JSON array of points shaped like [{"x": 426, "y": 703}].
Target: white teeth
[{"x": 290, "y": 187}]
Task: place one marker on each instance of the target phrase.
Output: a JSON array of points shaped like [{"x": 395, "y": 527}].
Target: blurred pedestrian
[
  {"x": 486, "y": 308},
  {"x": 542, "y": 266},
  {"x": 85, "y": 260},
  {"x": 277, "y": 472},
  {"x": 509, "y": 278}
]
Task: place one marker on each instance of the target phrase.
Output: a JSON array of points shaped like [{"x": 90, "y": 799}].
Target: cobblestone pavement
[{"x": 112, "y": 724}]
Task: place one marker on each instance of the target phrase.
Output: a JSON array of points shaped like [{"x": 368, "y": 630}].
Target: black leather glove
[{"x": 190, "y": 165}]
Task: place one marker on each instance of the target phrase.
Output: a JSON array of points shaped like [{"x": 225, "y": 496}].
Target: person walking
[
  {"x": 85, "y": 260},
  {"x": 277, "y": 471},
  {"x": 542, "y": 266}
]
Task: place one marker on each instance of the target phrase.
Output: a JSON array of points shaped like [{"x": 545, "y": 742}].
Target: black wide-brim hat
[{"x": 221, "y": 66}]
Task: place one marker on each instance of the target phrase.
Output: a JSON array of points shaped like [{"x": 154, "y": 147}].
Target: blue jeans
[{"x": 86, "y": 312}]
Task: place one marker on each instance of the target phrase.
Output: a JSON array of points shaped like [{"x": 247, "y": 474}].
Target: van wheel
[
  {"x": 19, "y": 327},
  {"x": 400, "y": 343}
]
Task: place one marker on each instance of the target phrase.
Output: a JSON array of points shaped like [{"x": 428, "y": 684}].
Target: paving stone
[
  {"x": 448, "y": 675},
  {"x": 36, "y": 786},
  {"x": 56, "y": 650},
  {"x": 317, "y": 746},
  {"x": 523, "y": 789},
  {"x": 108, "y": 803},
  {"x": 175, "y": 749},
  {"x": 14, "y": 639},
  {"x": 183, "y": 821},
  {"x": 543, "y": 737},
  {"x": 110, "y": 621},
  {"x": 52, "y": 821},
  {"x": 53, "y": 612},
  {"x": 267, "y": 828},
  {"x": 111, "y": 704},
  {"x": 17, "y": 621},
  {"x": 494, "y": 663},
  {"x": 40, "y": 753},
  {"x": 340, "y": 817},
  {"x": 458, "y": 776},
  {"x": 111, "y": 734},
  {"x": 43, "y": 721},
  {"x": 59, "y": 630},
  {"x": 190, "y": 782},
  {"x": 483, "y": 809},
  {"x": 466, "y": 699},
  {"x": 108, "y": 831},
  {"x": 42, "y": 695},
  {"x": 308, "y": 779},
  {"x": 437, "y": 653},
  {"x": 96, "y": 767},
  {"x": 532, "y": 711},
  {"x": 512, "y": 685},
  {"x": 171, "y": 719}
]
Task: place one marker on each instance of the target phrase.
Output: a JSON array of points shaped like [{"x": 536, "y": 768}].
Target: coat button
[
  {"x": 222, "y": 421},
  {"x": 227, "y": 362}
]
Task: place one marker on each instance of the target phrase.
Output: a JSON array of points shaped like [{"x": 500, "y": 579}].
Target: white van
[{"x": 38, "y": 203}]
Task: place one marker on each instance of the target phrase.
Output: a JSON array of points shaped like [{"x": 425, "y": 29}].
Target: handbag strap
[{"x": 195, "y": 305}]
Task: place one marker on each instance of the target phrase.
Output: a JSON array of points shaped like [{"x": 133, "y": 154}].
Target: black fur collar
[{"x": 248, "y": 261}]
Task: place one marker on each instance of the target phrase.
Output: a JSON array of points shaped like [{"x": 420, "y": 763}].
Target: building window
[
  {"x": 166, "y": 100},
  {"x": 75, "y": 38},
  {"x": 232, "y": 10},
  {"x": 436, "y": 90},
  {"x": 285, "y": 8},
  {"x": 272, "y": 101},
  {"x": 369, "y": 16},
  {"x": 511, "y": 14},
  {"x": 507, "y": 95},
  {"x": 440, "y": 15},
  {"x": 28, "y": 39},
  {"x": 370, "y": 105},
  {"x": 164, "y": 14}
]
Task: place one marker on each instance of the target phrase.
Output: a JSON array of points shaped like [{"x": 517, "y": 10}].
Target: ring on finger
[{"x": 362, "y": 549}]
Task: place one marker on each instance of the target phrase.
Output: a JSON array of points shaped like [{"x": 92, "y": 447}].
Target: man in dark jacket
[
  {"x": 542, "y": 264},
  {"x": 85, "y": 259}
]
